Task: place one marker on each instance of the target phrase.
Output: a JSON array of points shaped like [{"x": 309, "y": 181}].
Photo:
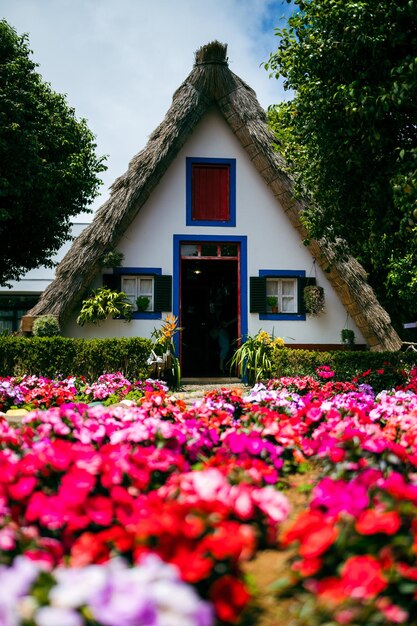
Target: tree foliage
[
  {"x": 350, "y": 132},
  {"x": 48, "y": 166}
]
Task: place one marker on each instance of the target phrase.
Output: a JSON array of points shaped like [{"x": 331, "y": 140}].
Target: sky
[{"x": 120, "y": 61}]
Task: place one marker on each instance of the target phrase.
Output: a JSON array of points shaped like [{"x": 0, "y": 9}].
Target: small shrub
[{"x": 46, "y": 326}]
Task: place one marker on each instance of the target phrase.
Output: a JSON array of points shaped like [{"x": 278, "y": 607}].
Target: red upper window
[{"x": 210, "y": 192}]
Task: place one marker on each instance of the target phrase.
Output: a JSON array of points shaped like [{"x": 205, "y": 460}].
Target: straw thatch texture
[{"x": 210, "y": 84}]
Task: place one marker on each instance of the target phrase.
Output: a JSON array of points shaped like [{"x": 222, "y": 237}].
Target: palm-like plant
[
  {"x": 254, "y": 358},
  {"x": 104, "y": 303}
]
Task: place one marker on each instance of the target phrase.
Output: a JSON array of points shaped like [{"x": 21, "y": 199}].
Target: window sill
[
  {"x": 297, "y": 317},
  {"x": 225, "y": 223},
  {"x": 146, "y": 315}
]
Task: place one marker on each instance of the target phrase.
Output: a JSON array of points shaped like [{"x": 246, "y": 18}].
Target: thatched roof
[{"x": 210, "y": 83}]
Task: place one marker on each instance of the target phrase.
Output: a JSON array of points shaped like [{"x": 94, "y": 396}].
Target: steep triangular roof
[{"x": 210, "y": 83}]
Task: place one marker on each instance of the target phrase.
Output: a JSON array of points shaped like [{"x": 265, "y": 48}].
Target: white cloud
[{"x": 120, "y": 61}]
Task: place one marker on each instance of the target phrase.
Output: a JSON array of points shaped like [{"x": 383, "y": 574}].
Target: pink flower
[
  {"x": 337, "y": 495},
  {"x": 272, "y": 502},
  {"x": 22, "y": 488},
  {"x": 393, "y": 612}
]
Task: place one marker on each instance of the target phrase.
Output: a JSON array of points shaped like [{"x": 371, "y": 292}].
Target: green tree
[
  {"x": 48, "y": 166},
  {"x": 349, "y": 132}
]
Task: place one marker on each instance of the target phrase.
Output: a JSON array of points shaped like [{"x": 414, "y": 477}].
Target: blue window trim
[
  {"x": 300, "y": 317},
  {"x": 141, "y": 271},
  {"x": 243, "y": 241},
  {"x": 188, "y": 194}
]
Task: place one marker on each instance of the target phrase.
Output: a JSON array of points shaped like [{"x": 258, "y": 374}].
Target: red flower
[
  {"x": 317, "y": 541},
  {"x": 330, "y": 591},
  {"x": 315, "y": 532},
  {"x": 371, "y": 522},
  {"x": 88, "y": 548},
  {"x": 307, "y": 567},
  {"x": 362, "y": 577},
  {"x": 407, "y": 571},
  {"x": 100, "y": 510},
  {"x": 229, "y": 597}
]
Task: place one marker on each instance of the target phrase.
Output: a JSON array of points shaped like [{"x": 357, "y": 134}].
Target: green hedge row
[
  {"x": 63, "y": 356},
  {"x": 384, "y": 368}
]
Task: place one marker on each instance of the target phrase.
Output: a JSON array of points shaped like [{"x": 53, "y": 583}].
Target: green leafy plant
[
  {"x": 142, "y": 303},
  {"x": 52, "y": 171},
  {"x": 272, "y": 302},
  {"x": 346, "y": 134},
  {"x": 347, "y": 336},
  {"x": 254, "y": 358},
  {"x": 112, "y": 259},
  {"x": 46, "y": 326},
  {"x": 104, "y": 303}
]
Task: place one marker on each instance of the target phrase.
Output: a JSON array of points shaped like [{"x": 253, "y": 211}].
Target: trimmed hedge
[
  {"x": 383, "y": 369},
  {"x": 64, "y": 356}
]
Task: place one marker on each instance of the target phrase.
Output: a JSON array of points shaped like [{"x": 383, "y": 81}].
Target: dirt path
[{"x": 271, "y": 565}]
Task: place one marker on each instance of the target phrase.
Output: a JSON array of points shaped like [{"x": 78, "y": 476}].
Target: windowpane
[
  {"x": 129, "y": 286},
  {"x": 145, "y": 288},
  {"x": 229, "y": 250},
  {"x": 271, "y": 287},
  {"x": 288, "y": 287},
  {"x": 287, "y": 305},
  {"x": 6, "y": 325},
  {"x": 209, "y": 249},
  {"x": 188, "y": 249}
]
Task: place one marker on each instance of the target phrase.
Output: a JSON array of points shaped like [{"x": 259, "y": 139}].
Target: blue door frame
[{"x": 243, "y": 275}]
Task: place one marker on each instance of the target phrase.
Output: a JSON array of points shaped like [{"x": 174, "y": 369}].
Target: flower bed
[{"x": 98, "y": 498}]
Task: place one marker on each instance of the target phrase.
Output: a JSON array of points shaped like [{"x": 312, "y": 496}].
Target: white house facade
[{"x": 211, "y": 263}]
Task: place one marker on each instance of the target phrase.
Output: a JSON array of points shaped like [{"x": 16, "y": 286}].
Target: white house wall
[{"x": 272, "y": 242}]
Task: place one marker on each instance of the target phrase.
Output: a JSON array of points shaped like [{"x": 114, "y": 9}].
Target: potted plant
[
  {"x": 348, "y": 337},
  {"x": 314, "y": 299},
  {"x": 272, "y": 303},
  {"x": 142, "y": 303}
]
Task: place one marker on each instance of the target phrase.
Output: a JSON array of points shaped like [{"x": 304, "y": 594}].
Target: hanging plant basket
[{"x": 314, "y": 299}]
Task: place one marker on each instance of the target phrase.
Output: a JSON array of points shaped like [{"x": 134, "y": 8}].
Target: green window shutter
[
  {"x": 112, "y": 281},
  {"x": 163, "y": 293},
  {"x": 257, "y": 300},
  {"x": 303, "y": 281}
]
